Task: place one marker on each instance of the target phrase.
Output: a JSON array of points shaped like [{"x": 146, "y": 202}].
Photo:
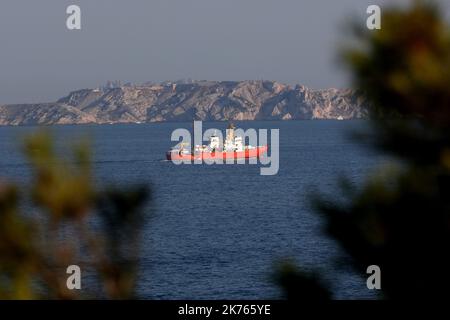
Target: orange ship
[{"x": 233, "y": 148}]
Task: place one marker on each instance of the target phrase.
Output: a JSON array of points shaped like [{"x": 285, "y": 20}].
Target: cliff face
[{"x": 202, "y": 100}]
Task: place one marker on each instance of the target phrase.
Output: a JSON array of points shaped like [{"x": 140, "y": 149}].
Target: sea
[{"x": 220, "y": 231}]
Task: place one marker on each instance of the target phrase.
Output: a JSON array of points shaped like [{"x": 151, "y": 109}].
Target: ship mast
[
  {"x": 230, "y": 131},
  {"x": 229, "y": 141}
]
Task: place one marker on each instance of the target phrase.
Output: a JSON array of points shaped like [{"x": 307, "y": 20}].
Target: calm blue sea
[{"x": 216, "y": 232}]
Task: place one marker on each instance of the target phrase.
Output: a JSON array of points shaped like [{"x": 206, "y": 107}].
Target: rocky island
[{"x": 189, "y": 100}]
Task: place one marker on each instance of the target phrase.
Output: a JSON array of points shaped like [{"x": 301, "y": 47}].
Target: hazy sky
[{"x": 290, "y": 41}]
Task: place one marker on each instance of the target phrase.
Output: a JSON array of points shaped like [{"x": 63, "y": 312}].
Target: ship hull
[{"x": 222, "y": 155}]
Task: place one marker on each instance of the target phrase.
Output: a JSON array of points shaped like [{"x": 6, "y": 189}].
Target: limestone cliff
[{"x": 185, "y": 101}]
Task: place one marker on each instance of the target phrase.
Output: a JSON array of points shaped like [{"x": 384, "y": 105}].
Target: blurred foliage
[
  {"x": 299, "y": 284},
  {"x": 400, "y": 219},
  {"x": 67, "y": 222}
]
